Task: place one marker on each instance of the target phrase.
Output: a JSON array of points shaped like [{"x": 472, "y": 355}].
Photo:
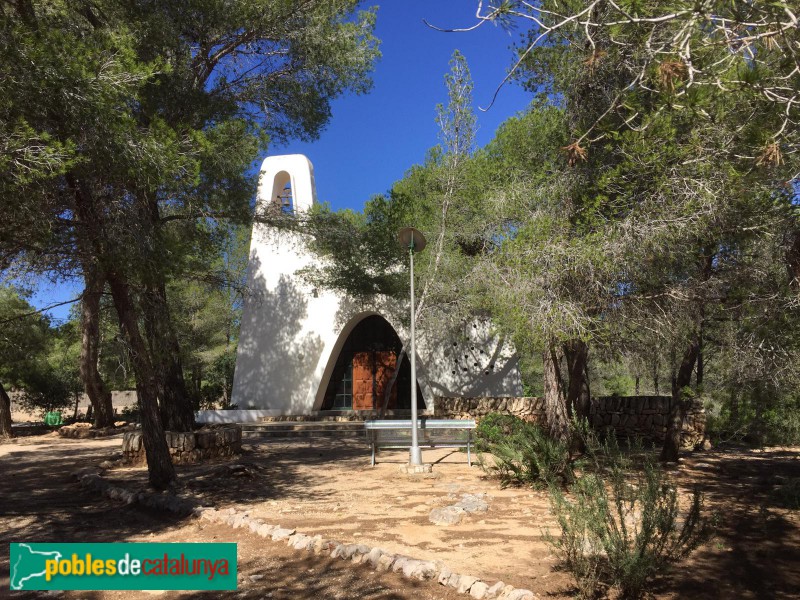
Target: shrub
[
  {"x": 766, "y": 419},
  {"x": 496, "y": 427},
  {"x": 524, "y": 454},
  {"x": 621, "y": 523}
]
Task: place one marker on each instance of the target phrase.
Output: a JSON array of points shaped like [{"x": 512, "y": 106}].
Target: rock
[
  {"x": 423, "y": 570},
  {"x": 409, "y": 565},
  {"x": 348, "y": 550},
  {"x": 265, "y": 530},
  {"x": 323, "y": 546},
  {"x": 465, "y": 582},
  {"x": 444, "y": 576},
  {"x": 399, "y": 563},
  {"x": 254, "y": 524},
  {"x": 448, "y": 515},
  {"x": 257, "y": 577},
  {"x": 298, "y": 541},
  {"x": 495, "y": 590},
  {"x": 281, "y": 534},
  {"x": 520, "y": 595},
  {"x": 478, "y": 590},
  {"x": 385, "y": 561},
  {"x": 473, "y": 503},
  {"x": 453, "y": 581},
  {"x": 373, "y": 556}
]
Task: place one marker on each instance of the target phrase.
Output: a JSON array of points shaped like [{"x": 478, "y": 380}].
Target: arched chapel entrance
[{"x": 364, "y": 369}]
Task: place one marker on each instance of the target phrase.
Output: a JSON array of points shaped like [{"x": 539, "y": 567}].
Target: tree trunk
[
  {"x": 557, "y": 411},
  {"x": 636, "y": 386},
  {"x": 565, "y": 399},
  {"x": 682, "y": 379},
  {"x": 177, "y": 412},
  {"x": 700, "y": 343},
  {"x": 5, "y": 414},
  {"x": 159, "y": 463},
  {"x": 578, "y": 396},
  {"x": 655, "y": 377},
  {"x": 99, "y": 396},
  {"x": 94, "y": 249}
]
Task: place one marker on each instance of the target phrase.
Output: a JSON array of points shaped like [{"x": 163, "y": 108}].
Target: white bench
[{"x": 432, "y": 433}]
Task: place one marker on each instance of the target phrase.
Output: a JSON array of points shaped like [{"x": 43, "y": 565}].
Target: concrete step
[
  {"x": 282, "y": 435},
  {"x": 305, "y": 426},
  {"x": 304, "y": 429},
  {"x": 341, "y": 416}
]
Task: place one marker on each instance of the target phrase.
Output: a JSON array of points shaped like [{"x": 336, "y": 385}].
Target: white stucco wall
[{"x": 291, "y": 334}]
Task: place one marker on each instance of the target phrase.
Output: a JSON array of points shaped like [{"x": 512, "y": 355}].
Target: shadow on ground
[{"x": 756, "y": 550}]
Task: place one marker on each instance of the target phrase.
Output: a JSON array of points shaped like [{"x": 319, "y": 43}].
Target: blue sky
[{"x": 373, "y": 139}]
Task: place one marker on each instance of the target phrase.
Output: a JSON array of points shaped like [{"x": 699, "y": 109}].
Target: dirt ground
[{"x": 328, "y": 488}]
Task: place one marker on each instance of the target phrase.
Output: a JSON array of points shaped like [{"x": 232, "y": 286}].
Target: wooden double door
[{"x": 372, "y": 372}]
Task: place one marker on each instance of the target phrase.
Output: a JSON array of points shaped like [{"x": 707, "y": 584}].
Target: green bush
[
  {"x": 523, "y": 453},
  {"x": 621, "y": 523},
  {"x": 770, "y": 420},
  {"x": 496, "y": 427}
]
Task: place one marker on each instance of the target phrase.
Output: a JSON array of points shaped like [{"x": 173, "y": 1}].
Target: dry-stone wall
[
  {"x": 527, "y": 408},
  {"x": 631, "y": 416},
  {"x": 189, "y": 447}
]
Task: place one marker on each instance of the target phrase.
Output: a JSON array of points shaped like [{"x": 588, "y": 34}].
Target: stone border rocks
[
  {"x": 377, "y": 558},
  {"x": 357, "y": 554},
  {"x": 92, "y": 480},
  {"x": 86, "y": 431}
]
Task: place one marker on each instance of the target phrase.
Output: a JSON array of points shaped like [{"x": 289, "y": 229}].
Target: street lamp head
[{"x": 411, "y": 239}]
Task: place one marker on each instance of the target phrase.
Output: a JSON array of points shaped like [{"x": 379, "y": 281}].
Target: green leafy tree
[
  {"x": 23, "y": 341},
  {"x": 151, "y": 117}
]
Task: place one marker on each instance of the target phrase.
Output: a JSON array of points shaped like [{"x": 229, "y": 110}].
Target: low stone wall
[
  {"x": 528, "y": 408},
  {"x": 190, "y": 447},
  {"x": 630, "y": 416}
]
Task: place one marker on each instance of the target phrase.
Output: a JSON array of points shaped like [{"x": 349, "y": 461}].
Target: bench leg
[
  {"x": 469, "y": 456},
  {"x": 373, "y": 454}
]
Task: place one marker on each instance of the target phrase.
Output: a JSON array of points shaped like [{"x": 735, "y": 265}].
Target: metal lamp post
[{"x": 415, "y": 242}]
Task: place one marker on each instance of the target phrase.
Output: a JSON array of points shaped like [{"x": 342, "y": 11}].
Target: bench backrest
[{"x": 429, "y": 430}]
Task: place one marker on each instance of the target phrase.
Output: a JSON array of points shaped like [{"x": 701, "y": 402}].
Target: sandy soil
[
  {"x": 328, "y": 488},
  {"x": 20, "y": 416}
]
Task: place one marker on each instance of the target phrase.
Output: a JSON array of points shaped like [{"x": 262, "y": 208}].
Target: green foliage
[
  {"x": 751, "y": 417},
  {"x": 48, "y": 389},
  {"x": 35, "y": 357},
  {"x": 618, "y": 384},
  {"x": 523, "y": 454},
  {"x": 218, "y": 385},
  {"x": 623, "y": 522},
  {"x": 496, "y": 427},
  {"x": 24, "y": 337}
]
